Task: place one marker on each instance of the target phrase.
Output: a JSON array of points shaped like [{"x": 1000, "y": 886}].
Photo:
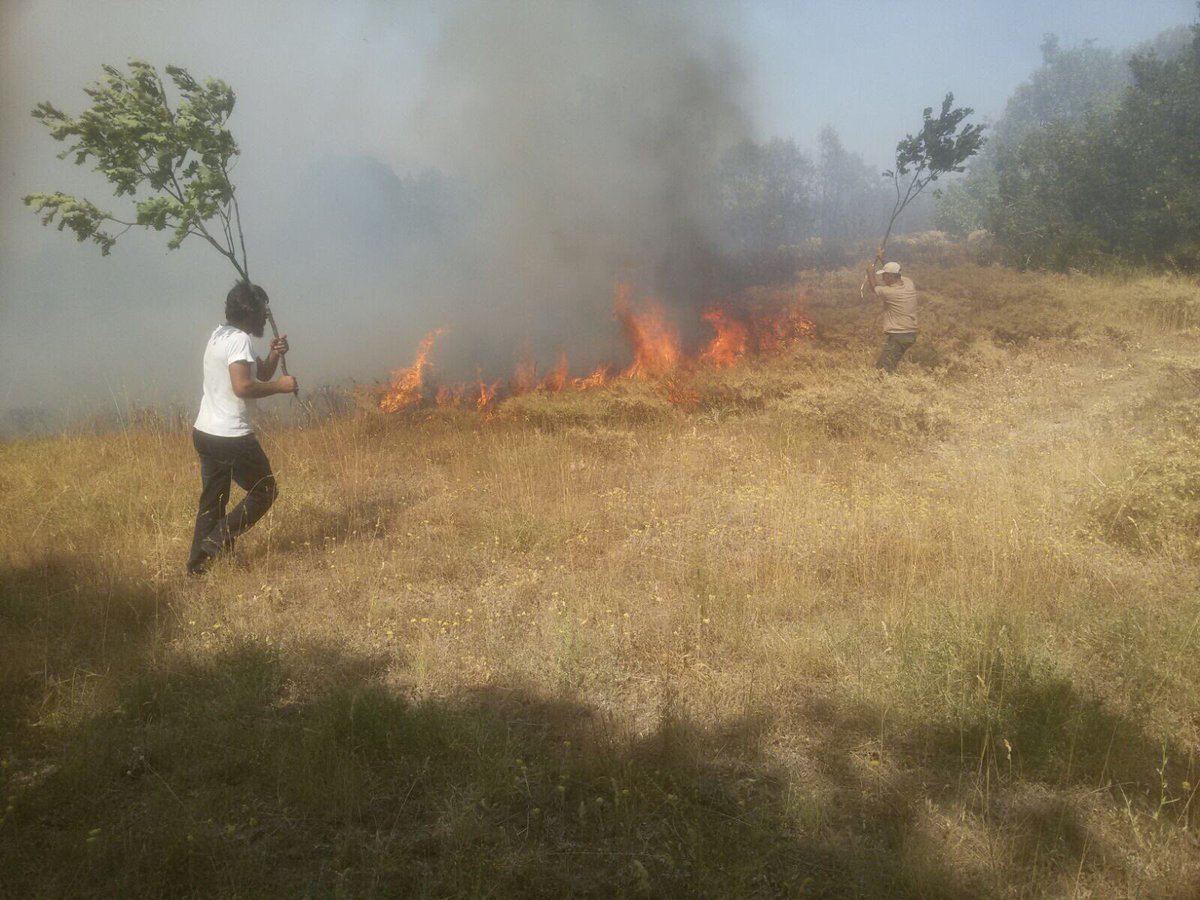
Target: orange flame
[
  {"x": 408, "y": 385},
  {"x": 731, "y": 342},
  {"x": 778, "y": 332},
  {"x": 598, "y": 378},
  {"x": 487, "y": 393},
  {"x": 764, "y": 328},
  {"x": 556, "y": 378},
  {"x": 655, "y": 343}
]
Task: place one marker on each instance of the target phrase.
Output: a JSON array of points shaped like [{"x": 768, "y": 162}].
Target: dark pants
[
  {"x": 896, "y": 346},
  {"x": 225, "y": 459}
]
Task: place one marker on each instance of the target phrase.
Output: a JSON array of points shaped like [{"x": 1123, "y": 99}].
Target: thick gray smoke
[{"x": 585, "y": 137}]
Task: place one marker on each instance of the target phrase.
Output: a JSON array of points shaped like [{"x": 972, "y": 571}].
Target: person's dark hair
[{"x": 245, "y": 302}]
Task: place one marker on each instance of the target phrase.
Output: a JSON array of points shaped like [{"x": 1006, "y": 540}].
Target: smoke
[
  {"x": 584, "y": 136},
  {"x": 488, "y": 167}
]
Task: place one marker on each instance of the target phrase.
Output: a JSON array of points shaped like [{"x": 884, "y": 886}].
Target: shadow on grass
[
  {"x": 1028, "y": 768},
  {"x": 65, "y": 627},
  {"x": 250, "y": 769},
  {"x": 296, "y": 772}
]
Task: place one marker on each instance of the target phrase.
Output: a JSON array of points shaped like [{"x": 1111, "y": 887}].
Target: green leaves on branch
[
  {"x": 81, "y": 216},
  {"x": 937, "y": 149},
  {"x": 940, "y": 147},
  {"x": 180, "y": 157}
]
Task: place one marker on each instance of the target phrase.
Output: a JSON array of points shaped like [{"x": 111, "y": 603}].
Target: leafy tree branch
[
  {"x": 937, "y": 149},
  {"x": 173, "y": 163}
]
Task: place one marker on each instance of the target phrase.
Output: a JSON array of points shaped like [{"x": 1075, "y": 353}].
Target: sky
[{"x": 337, "y": 100}]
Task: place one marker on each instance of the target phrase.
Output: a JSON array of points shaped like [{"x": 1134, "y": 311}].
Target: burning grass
[
  {"x": 813, "y": 632},
  {"x": 750, "y": 329}
]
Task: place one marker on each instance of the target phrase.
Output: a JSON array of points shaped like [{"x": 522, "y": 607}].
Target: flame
[
  {"x": 486, "y": 394},
  {"x": 525, "y": 378},
  {"x": 731, "y": 341},
  {"x": 752, "y": 328},
  {"x": 774, "y": 334},
  {"x": 408, "y": 385},
  {"x": 598, "y": 378},
  {"x": 655, "y": 343},
  {"x": 556, "y": 378}
]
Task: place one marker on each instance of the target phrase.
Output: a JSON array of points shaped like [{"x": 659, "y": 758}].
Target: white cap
[{"x": 892, "y": 268}]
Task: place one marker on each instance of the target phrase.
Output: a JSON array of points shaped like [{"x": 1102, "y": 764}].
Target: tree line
[{"x": 1096, "y": 160}]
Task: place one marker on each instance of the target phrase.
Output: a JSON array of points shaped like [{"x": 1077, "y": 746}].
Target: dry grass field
[{"x": 823, "y": 633}]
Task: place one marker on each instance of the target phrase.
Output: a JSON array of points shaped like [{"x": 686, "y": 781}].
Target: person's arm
[
  {"x": 247, "y": 388},
  {"x": 266, "y": 367},
  {"x": 879, "y": 258},
  {"x": 871, "y": 277}
]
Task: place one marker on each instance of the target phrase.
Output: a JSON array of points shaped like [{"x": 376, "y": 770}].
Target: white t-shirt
[{"x": 222, "y": 412}]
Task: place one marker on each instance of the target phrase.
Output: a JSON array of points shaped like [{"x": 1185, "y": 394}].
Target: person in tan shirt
[{"x": 899, "y": 297}]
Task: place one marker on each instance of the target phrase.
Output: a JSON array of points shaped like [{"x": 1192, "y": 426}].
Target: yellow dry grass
[{"x": 825, "y": 634}]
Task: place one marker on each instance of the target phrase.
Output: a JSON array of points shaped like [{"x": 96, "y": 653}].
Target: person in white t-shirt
[{"x": 223, "y": 436}]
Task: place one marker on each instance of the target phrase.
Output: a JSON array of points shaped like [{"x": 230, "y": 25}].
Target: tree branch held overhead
[
  {"x": 172, "y": 163},
  {"x": 937, "y": 149}
]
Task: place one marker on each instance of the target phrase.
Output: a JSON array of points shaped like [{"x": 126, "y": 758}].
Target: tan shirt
[{"x": 899, "y": 306}]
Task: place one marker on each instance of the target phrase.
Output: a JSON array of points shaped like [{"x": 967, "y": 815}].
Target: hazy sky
[{"x": 322, "y": 83}]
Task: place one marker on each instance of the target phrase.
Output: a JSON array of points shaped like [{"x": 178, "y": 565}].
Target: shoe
[{"x": 199, "y": 567}]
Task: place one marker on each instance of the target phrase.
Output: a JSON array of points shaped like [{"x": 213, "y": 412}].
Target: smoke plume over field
[{"x": 584, "y": 138}]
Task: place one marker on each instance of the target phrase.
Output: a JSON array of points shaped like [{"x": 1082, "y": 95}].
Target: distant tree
[
  {"x": 1071, "y": 85},
  {"x": 173, "y": 163},
  {"x": 1158, "y": 128},
  {"x": 848, "y": 195},
  {"x": 961, "y": 206},
  {"x": 1047, "y": 188},
  {"x": 1119, "y": 183},
  {"x": 766, "y": 193}
]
